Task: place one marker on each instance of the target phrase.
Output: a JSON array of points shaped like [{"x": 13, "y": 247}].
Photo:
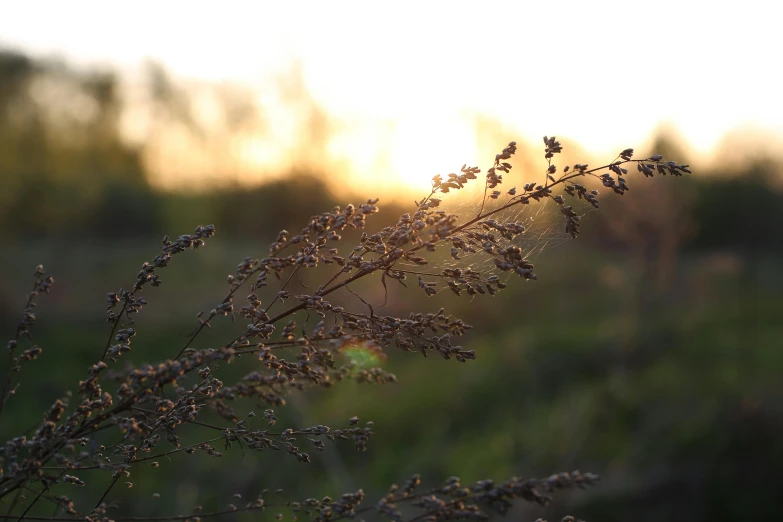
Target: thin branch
[
  {"x": 6, "y": 393},
  {"x": 117, "y": 475},
  {"x": 114, "y": 325}
]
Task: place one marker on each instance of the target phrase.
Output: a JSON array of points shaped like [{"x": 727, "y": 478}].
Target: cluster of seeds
[{"x": 294, "y": 339}]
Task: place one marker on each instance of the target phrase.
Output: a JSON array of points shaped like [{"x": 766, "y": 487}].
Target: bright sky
[{"x": 603, "y": 73}]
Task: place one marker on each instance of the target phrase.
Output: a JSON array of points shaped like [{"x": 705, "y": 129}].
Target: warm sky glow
[{"x": 405, "y": 77}]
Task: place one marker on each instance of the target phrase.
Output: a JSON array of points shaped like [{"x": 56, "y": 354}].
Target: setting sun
[{"x": 420, "y": 151}]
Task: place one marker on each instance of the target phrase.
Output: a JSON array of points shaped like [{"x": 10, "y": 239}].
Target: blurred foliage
[
  {"x": 649, "y": 352},
  {"x": 62, "y": 162},
  {"x": 68, "y": 173}
]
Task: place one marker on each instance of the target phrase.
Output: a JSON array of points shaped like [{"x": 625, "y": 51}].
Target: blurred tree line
[
  {"x": 68, "y": 172},
  {"x": 62, "y": 162}
]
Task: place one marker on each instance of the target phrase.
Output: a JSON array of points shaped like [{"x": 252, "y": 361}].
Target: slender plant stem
[{"x": 6, "y": 393}]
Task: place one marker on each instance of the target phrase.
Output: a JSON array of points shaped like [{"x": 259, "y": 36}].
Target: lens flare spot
[{"x": 363, "y": 354}]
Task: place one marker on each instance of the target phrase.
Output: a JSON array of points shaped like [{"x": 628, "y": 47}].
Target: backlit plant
[{"x": 119, "y": 417}]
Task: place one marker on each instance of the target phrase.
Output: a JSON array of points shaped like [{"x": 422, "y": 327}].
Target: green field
[{"x": 662, "y": 388}]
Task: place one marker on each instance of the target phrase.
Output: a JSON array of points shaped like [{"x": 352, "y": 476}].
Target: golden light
[
  {"x": 423, "y": 148},
  {"x": 399, "y": 90}
]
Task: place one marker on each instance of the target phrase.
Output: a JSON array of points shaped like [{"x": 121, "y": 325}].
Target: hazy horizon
[{"x": 393, "y": 96}]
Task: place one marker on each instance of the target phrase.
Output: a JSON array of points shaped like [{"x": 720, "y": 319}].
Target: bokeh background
[{"x": 649, "y": 350}]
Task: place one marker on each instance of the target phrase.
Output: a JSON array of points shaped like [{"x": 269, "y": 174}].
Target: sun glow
[
  {"x": 400, "y": 156},
  {"x": 423, "y": 148}
]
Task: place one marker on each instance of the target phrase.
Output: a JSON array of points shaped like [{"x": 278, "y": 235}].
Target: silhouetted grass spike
[{"x": 295, "y": 336}]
